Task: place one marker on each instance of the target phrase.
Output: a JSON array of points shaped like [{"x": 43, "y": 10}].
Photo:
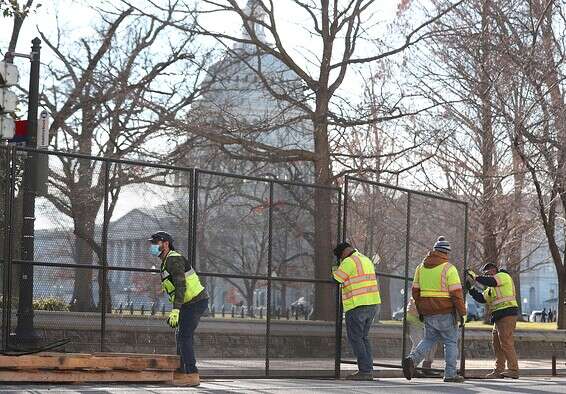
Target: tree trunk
[
  {"x": 83, "y": 300},
  {"x": 488, "y": 216},
  {"x": 324, "y": 305}
]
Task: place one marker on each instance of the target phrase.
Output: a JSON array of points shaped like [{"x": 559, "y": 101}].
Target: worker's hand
[
  {"x": 421, "y": 317},
  {"x": 173, "y": 319},
  {"x": 469, "y": 284},
  {"x": 334, "y": 268},
  {"x": 462, "y": 321},
  {"x": 471, "y": 274}
]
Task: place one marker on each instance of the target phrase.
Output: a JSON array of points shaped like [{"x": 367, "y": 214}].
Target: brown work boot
[
  {"x": 186, "y": 379},
  {"x": 510, "y": 374},
  {"x": 495, "y": 374}
]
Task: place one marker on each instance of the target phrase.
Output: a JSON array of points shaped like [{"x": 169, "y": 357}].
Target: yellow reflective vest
[
  {"x": 437, "y": 282},
  {"x": 356, "y": 276},
  {"x": 193, "y": 285},
  {"x": 502, "y": 296}
]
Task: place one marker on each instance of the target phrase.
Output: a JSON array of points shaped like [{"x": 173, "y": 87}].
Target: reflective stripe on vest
[
  {"x": 429, "y": 275},
  {"x": 193, "y": 287}
]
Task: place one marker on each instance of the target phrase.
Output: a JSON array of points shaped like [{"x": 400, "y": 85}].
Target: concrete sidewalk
[
  {"x": 298, "y": 386},
  {"x": 316, "y": 367}
]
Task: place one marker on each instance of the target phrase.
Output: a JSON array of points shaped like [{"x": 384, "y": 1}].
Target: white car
[{"x": 535, "y": 316}]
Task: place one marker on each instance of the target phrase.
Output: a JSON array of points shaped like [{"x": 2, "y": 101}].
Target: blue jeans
[
  {"x": 358, "y": 323},
  {"x": 189, "y": 317},
  {"x": 441, "y": 328}
]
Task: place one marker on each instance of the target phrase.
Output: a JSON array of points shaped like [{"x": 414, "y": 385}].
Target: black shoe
[
  {"x": 408, "y": 368},
  {"x": 455, "y": 379},
  {"x": 367, "y": 376}
]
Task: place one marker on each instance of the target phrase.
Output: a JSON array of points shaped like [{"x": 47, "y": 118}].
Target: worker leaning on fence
[
  {"x": 438, "y": 295},
  {"x": 500, "y": 297},
  {"x": 189, "y": 298},
  {"x": 360, "y": 297}
]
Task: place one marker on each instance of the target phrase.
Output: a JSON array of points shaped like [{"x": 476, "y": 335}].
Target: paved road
[{"x": 280, "y": 386}]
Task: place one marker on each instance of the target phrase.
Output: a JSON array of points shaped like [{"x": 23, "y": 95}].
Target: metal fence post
[
  {"x": 338, "y": 325},
  {"x": 195, "y": 218},
  {"x": 269, "y": 269},
  {"x": 8, "y": 247},
  {"x": 406, "y": 280},
  {"x": 190, "y": 240},
  {"x": 104, "y": 268},
  {"x": 462, "y": 347}
]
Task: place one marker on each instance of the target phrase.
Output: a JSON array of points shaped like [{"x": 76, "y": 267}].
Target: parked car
[{"x": 535, "y": 316}]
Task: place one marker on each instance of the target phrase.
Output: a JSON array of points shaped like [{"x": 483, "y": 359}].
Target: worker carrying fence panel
[
  {"x": 360, "y": 297},
  {"x": 500, "y": 296},
  {"x": 439, "y": 299},
  {"x": 189, "y": 298}
]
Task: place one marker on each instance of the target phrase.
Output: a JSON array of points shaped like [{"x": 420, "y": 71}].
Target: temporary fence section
[
  {"x": 262, "y": 247},
  {"x": 396, "y": 228}
]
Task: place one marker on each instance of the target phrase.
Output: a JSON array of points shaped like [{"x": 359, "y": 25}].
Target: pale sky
[{"x": 76, "y": 21}]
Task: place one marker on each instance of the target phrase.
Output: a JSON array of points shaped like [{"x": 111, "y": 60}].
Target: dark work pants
[{"x": 189, "y": 317}]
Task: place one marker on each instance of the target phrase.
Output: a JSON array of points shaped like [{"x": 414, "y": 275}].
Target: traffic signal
[{"x": 9, "y": 76}]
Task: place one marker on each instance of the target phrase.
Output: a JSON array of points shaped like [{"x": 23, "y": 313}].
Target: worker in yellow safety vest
[
  {"x": 501, "y": 299},
  {"x": 360, "y": 297},
  {"x": 439, "y": 298},
  {"x": 190, "y": 301}
]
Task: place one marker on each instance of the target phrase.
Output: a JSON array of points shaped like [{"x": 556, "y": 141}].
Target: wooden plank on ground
[
  {"x": 53, "y": 376},
  {"x": 64, "y": 361}
]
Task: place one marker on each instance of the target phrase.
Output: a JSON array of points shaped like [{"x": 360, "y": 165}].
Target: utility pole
[{"x": 24, "y": 330}]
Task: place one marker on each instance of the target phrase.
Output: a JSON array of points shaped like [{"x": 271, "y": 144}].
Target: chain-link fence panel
[
  {"x": 232, "y": 229},
  {"x": 397, "y": 228},
  {"x": 376, "y": 225},
  {"x": 298, "y": 345}
]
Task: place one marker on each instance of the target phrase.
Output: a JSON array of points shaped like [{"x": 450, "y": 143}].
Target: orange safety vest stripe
[
  {"x": 357, "y": 292},
  {"x": 341, "y": 274}
]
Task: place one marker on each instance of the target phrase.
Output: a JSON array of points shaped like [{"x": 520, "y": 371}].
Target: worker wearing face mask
[{"x": 189, "y": 298}]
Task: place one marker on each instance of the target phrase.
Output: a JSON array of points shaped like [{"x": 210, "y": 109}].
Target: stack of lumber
[{"x": 81, "y": 368}]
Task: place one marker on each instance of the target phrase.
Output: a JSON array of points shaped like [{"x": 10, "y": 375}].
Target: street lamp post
[{"x": 24, "y": 330}]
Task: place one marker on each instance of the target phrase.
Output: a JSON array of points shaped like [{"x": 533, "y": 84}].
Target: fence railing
[{"x": 262, "y": 246}]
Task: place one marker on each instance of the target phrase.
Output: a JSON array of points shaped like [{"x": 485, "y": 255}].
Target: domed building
[{"x": 253, "y": 96}]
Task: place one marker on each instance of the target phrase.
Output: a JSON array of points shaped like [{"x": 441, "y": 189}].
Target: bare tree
[
  {"x": 535, "y": 49},
  {"x": 109, "y": 99},
  {"x": 339, "y": 28}
]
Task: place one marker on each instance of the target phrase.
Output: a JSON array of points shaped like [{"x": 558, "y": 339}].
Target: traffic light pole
[{"x": 25, "y": 332}]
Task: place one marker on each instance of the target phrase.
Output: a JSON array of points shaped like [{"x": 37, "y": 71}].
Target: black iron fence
[{"x": 262, "y": 246}]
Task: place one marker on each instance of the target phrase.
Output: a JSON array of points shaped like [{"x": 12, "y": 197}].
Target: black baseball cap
[{"x": 340, "y": 248}]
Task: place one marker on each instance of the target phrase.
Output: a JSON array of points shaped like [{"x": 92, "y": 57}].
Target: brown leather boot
[{"x": 186, "y": 379}]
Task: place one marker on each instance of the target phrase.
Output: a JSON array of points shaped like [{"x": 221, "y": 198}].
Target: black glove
[
  {"x": 468, "y": 285},
  {"x": 462, "y": 321},
  {"x": 421, "y": 317}
]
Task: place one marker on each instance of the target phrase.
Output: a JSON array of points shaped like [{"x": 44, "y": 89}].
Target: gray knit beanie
[{"x": 442, "y": 245}]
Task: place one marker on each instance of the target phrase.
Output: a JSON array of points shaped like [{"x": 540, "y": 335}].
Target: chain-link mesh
[{"x": 396, "y": 228}]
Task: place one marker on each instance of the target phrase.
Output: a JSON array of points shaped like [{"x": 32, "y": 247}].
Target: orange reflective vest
[{"x": 358, "y": 282}]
